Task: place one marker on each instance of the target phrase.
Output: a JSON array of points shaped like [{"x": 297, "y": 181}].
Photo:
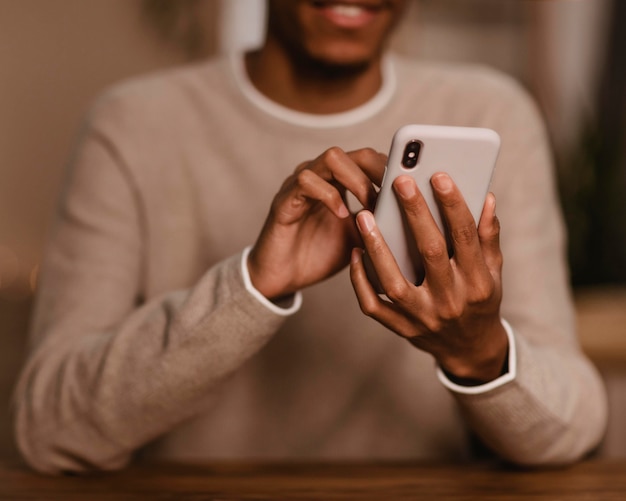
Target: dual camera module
[{"x": 411, "y": 153}]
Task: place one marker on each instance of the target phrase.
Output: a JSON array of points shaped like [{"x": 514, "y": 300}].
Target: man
[{"x": 156, "y": 331}]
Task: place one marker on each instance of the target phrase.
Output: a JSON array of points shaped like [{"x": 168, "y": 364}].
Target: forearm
[
  {"x": 89, "y": 399},
  {"x": 553, "y": 411}
]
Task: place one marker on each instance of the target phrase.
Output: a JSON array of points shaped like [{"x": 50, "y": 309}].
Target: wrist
[
  {"x": 486, "y": 365},
  {"x": 265, "y": 283},
  {"x": 287, "y": 305}
]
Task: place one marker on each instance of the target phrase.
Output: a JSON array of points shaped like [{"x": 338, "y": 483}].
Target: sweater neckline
[{"x": 325, "y": 121}]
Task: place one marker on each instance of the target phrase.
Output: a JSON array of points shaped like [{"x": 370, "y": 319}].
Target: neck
[{"x": 311, "y": 86}]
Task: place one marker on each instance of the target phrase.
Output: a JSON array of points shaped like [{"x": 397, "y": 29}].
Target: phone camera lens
[{"x": 411, "y": 154}]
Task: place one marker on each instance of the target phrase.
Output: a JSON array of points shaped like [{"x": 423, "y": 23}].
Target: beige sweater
[{"x": 145, "y": 336}]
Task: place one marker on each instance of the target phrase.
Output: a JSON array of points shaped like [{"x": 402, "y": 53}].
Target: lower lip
[{"x": 348, "y": 21}]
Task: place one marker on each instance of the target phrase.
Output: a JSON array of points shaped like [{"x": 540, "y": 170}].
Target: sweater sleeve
[
  {"x": 554, "y": 410},
  {"x": 107, "y": 370}
]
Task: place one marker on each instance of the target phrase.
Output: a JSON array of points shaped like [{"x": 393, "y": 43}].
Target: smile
[
  {"x": 347, "y": 10},
  {"x": 348, "y": 15}
]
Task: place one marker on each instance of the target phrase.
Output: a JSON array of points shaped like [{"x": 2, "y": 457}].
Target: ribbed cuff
[{"x": 491, "y": 385}]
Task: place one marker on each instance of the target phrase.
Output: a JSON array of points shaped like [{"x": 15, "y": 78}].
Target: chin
[
  {"x": 343, "y": 56},
  {"x": 335, "y": 68}
]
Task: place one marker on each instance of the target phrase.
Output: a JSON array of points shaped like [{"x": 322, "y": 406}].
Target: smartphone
[{"x": 467, "y": 154}]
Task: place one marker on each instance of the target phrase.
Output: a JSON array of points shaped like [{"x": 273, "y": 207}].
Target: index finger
[
  {"x": 372, "y": 162},
  {"x": 355, "y": 171}
]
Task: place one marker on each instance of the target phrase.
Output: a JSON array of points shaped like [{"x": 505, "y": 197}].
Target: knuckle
[
  {"x": 364, "y": 188},
  {"x": 491, "y": 235},
  {"x": 397, "y": 291},
  {"x": 465, "y": 234},
  {"x": 369, "y": 307},
  {"x": 491, "y": 232},
  {"x": 366, "y": 153},
  {"x": 304, "y": 177},
  {"x": 433, "y": 324},
  {"x": 332, "y": 154},
  {"x": 434, "y": 251},
  {"x": 331, "y": 198},
  {"x": 450, "y": 311},
  {"x": 295, "y": 203},
  {"x": 363, "y": 153},
  {"x": 481, "y": 293}
]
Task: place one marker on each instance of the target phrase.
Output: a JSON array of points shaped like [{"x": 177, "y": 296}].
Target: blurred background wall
[{"x": 57, "y": 56}]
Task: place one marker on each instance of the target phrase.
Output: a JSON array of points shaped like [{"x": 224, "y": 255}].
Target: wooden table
[{"x": 591, "y": 481}]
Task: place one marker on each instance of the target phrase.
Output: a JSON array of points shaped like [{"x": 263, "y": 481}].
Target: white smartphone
[{"x": 467, "y": 154}]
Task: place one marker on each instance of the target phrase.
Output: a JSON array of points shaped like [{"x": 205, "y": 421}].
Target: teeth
[{"x": 348, "y": 10}]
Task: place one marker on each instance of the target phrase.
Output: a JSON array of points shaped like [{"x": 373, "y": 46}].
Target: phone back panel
[{"x": 467, "y": 154}]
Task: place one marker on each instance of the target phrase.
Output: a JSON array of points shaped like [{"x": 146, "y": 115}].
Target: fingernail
[
  {"x": 442, "y": 182},
  {"x": 492, "y": 199},
  {"x": 405, "y": 187},
  {"x": 343, "y": 212},
  {"x": 356, "y": 255},
  {"x": 365, "y": 221}
]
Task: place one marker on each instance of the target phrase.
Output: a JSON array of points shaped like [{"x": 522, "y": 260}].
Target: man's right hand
[{"x": 309, "y": 233}]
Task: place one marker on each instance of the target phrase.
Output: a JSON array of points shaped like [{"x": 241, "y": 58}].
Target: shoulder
[
  {"x": 460, "y": 77},
  {"x": 147, "y": 123},
  {"x": 474, "y": 90},
  {"x": 163, "y": 96}
]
